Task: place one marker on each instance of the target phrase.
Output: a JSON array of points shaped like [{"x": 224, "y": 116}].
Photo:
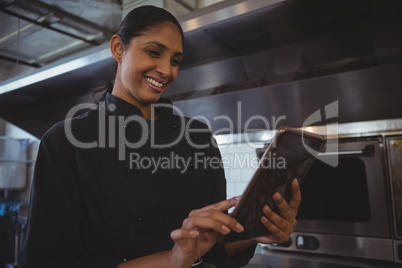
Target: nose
[{"x": 164, "y": 68}]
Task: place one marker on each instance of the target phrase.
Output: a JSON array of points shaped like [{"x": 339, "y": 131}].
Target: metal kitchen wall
[
  {"x": 17, "y": 158},
  {"x": 274, "y": 56},
  {"x": 35, "y": 33}
]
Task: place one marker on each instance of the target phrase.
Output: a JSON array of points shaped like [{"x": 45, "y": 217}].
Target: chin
[{"x": 153, "y": 99}]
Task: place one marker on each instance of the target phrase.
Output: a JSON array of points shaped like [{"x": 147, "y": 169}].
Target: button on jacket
[{"x": 110, "y": 186}]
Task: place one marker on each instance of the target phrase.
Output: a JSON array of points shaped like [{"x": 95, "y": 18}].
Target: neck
[
  {"x": 146, "y": 109},
  {"x": 148, "y": 112}
]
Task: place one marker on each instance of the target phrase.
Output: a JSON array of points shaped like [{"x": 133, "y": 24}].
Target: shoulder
[
  {"x": 196, "y": 132},
  {"x": 82, "y": 127},
  {"x": 196, "y": 124},
  {"x": 191, "y": 124}
]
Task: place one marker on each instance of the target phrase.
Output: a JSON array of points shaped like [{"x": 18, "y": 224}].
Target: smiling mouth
[{"x": 155, "y": 83}]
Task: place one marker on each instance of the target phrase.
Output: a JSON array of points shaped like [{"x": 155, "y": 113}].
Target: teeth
[{"x": 153, "y": 82}]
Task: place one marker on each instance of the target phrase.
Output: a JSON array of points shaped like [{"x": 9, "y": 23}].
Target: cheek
[
  {"x": 129, "y": 72},
  {"x": 173, "y": 77},
  {"x": 175, "y": 73},
  {"x": 125, "y": 70}
]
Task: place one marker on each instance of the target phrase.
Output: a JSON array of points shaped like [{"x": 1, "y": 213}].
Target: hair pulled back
[{"x": 136, "y": 23}]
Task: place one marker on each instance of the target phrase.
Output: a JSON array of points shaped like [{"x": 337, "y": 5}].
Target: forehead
[{"x": 166, "y": 33}]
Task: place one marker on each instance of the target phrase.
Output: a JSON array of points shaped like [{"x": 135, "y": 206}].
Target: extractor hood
[{"x": 268, "y": 58}]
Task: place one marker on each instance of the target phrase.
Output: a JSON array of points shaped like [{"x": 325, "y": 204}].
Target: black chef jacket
[{"x": 110, "y": 186}]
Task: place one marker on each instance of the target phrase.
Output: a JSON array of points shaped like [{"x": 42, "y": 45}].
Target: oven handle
[{"x": 369, "y": 149}]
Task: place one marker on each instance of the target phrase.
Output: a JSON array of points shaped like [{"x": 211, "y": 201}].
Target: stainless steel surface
[
  {"x": 196, "y": 20},
  {"x": 377, "y": 237},
  {"x": 361, "y": 129},
  {"x": 100, "y": 56},
  {"x": 362, "y": 151},
  {"x": 274, "y": 259},
  {"x": 398, "y": 251},
  {"x": 221, "y": 12},
  {"x": 40, "y": 32},
  {"x": 264, "y": 46},
  {"x": 387, "y": 127},
  {"x": 346, "y": 246},
  {"x": 379, "y": 222},
  {"x": 278, "y": 58},
  {"x": 370, "y": 94},
  {"x": 13, "y": 163},
  {"x": 394, "y": 144}
]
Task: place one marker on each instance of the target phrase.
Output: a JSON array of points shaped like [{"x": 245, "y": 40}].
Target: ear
[{"x": 116, "y": 47}]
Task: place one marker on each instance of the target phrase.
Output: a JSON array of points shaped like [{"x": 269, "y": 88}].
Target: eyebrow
[{"x": 162, "y": 46}]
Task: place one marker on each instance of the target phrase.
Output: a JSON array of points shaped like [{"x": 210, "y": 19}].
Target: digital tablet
[{"x": 288, "y": 156}]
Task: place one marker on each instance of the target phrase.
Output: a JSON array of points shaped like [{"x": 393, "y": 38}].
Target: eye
[
  {"x": 175, "y": 62},
  {"x": 154, "y": 53}
]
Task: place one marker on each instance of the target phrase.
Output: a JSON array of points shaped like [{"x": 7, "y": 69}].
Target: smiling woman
[
  {"x": 147, "y": 66},
  {"x": 147, "y": 46},
  {"x": 127, "y": 201}
]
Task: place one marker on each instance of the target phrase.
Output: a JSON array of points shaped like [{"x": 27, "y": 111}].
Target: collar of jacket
[{"x": 117, "y": 106}]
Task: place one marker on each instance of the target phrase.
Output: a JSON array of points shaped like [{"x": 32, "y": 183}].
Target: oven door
[
  {"x": 351, "y": 198},
  {"x": 344, "y": 209}
]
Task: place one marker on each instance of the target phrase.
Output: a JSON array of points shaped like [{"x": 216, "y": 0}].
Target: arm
[
  {"x": 201, "y": 230},
  {"x": 221, "y": 255},
  {"x": 160, "y": 259},
  {"x": 198, "y": 234},
  {"x": 54, "y": 233},
  {"x": 203, "y": 226}
]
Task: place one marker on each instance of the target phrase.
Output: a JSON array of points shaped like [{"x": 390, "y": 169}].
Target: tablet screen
[{"x": 285, "y": 158}]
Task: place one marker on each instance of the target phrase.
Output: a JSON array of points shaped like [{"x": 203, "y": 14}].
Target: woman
[{"x": 130, "y": 184}]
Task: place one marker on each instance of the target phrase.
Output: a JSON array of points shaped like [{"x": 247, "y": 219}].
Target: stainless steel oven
[
  {"x": 394, "y": 145},
  {"x": 355, "y": 208}
]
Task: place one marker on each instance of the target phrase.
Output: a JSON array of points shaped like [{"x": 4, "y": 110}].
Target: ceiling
[
  {"x": 38, "y": 32},
  {"x": 231, "y": 49}
]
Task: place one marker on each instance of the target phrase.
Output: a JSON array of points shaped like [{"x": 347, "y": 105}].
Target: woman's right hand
[{"x": 199, "y": 232}]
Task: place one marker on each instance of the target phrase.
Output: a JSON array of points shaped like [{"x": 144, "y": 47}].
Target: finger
[
  {"x": 200, "y": 222},
  {"x": 284, "y": 209},
  {"x": 184, "y": 239},
  {"x": 220, "y": 206},
  {"x": 183, "y": 233},
  {"x": 212, "y": 223},
  {"x": 294, "y": 203},
  {"x": 269, "y": 239},
  {"x": 277, "y": 234},
  {"x": 223, "y": 218},
  {"x": 286, "y": 226}
]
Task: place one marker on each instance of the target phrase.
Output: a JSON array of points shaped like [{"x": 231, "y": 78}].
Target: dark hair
[{"x": 134, "y": 24}]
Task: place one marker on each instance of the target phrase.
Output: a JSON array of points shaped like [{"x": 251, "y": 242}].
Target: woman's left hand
[{"x": 281, "y": 226}]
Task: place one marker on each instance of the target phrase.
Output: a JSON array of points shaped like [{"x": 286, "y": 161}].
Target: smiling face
[{"x": 148, "y": 65}]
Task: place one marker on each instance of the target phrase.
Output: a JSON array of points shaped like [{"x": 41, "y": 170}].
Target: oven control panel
[
  {"x": 307, "y": 242},
  {"x": 336, "y": 245}
]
